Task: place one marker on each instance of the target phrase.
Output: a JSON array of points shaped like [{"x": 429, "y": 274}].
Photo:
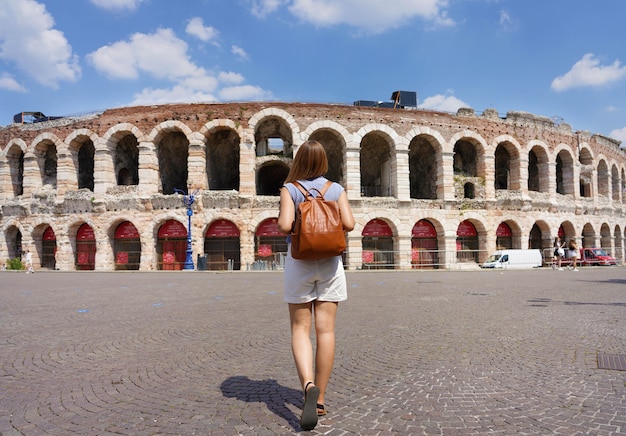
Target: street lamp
[{"x": 188, "y": 200}]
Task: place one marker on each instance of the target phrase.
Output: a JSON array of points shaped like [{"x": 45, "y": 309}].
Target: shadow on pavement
[{"x": 275, "y": 396}]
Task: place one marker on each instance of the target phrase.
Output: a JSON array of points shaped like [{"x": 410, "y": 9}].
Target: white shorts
[{"x": 308, "y": 280}]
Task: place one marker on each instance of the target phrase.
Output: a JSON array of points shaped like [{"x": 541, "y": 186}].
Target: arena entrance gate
[
  {"x": 85, "y": 248},
  {"x": 127, "y": 247},
  {"x": 377, "y": 243},
  {"x": 171, "y": 246},
  {"x": 221, "y": 246},
  {"x": 424, "y": 245},
  {"x": 48, "y": 249}
]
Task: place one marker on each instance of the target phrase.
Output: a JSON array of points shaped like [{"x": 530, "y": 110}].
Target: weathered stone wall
[{"x": 400, "y": 166}]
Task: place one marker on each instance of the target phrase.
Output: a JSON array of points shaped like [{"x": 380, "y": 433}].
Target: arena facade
[{"x": 428, "y": 189}]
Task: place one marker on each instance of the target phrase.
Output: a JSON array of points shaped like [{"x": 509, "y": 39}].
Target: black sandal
[
  {"x": 320, "y": 410},
  {"x": 308, "y": 420}
]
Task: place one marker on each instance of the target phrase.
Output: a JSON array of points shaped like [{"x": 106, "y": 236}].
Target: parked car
[{"x": 591, "y": 257}]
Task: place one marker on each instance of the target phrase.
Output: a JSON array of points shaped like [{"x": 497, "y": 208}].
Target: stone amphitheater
[{"x": 112, "y": 190}]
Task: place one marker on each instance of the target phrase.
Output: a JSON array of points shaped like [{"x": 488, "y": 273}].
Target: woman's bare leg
[
  {"x": 300, "y": 316},
  {"x": 325, "y": 315}
]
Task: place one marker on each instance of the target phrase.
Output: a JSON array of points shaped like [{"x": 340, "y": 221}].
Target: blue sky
[{"x": 562, "y": 59}]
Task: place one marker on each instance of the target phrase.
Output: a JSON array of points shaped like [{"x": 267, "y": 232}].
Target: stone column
[
  {"x": 67, "y": 174},
  {"x": 403, "y": 184},
  {"x": 149, "y": 181},
  {"x": 247, "y": 166},
  {"x": 196, "y": 163},
  {"x": 403, "y": 250},
  {"x": 6, "y": 184},
  {"x": 32, "y": 174},
  {"x": 449, "y": 257},
  {"x": 353, "y": 172},
  {"x": 445, "y": 186},
  {"x": 354, "y": 251},
  {"x": 103, "y": 168},
  {"x": 490, "y": 189}
]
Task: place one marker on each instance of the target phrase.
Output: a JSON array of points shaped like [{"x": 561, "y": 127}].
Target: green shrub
[{"x": 15, "y": 264}]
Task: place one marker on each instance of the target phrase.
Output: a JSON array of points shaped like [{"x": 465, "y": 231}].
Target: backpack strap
[{"x": 308, "y": 194}]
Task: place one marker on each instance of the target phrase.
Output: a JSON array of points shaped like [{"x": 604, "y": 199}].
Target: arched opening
[
  {"x": 171, "y": 246},
  {"x": 173, "y": 151},
  {"x": 538, "y": 174},
  {"x": 270, "y": 245},
  {"x": 334, "y": 146},
  {"x": 222, "y": 246},
  {"x": 15, "y": 158},
  {"x": 273, "y": 136},
  {"x": 605, "y": 238},
  {"x": 504, "y": 237},
  {"x": 466, "y": 242},
  {"x": 424, "y": 245},
  {"x": 46, "y": 153},
  {"x": 127, "y": 247},
  {"x": 86, "y": 154},
  {"x": 377, "y": 245},
  {"x": 588, "y": 237},
  {"x": 271, "y": 177},
  {"x": 422, "y": 169},
  {"x": 465, "y": 159},
  {"x": 586, "y": 173},
  {"x": 85, "y": 248},
  {"x": 222, "y": 160},
  {"x": 603, "y": 179},
  {"x": 48, "y": 249},
  {"x": 126, "y": 161},
  {"x": 615, "y": 184},
  {"x": 502, "y": 168},
  {"x": 376, "y": 166},
  {"x": 14, "y": 242},
  {"x": 565, "y": 184},
  {"x": 619, "y": 248}
]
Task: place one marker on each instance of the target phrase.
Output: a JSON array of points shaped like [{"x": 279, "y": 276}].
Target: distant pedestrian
[
  {"x": 573, "y": 253},
  {"x": 28, "y": 260},
  {"x": 559, "y": 252}
]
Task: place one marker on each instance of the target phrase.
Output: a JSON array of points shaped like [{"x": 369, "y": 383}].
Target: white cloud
[
  {"x": 161, "y": 55},
  {"x": 262, "y": 8},
  {"x": 197, "y": 28},
  {"x": 176, "y": 94},
  {"x": 239, "y": 52},
  {"x": 371, "y": 16},
  {"x": 443, "y": 102},
  {"x": 164, "y": 56},
  {"x": 619, "y": 134},
  {"x": 117, "y": 5},
  {"x": 9, "y": 83},
  {"x": 230, "y": 77},
  {"x": 28, "y": 40},
  {"x": 588, "y": 72},
  {"x": 244, "y": 92}
]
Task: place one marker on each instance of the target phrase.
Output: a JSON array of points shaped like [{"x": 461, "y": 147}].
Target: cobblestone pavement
[{"x": 424, "y": 352}]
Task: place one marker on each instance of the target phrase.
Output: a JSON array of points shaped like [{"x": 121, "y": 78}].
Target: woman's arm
[
  {"x": 287, "y": 214},
  {"x": 347, "y": 219}
]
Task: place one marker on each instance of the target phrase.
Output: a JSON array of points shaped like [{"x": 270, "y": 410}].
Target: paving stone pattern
[{"x": 202, "y": 353}]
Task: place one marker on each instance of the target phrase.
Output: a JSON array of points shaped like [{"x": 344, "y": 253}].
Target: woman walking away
[
  {"x": 313, "y": 288},
  {"x": 559, "y": 252},
  {"x": 573, "y": 252}
]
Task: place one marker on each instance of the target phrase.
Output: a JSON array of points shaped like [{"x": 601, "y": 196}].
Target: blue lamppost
[{"x": 188, "y": 199}]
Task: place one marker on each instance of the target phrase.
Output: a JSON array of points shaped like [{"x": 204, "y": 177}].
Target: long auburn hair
[{"x": 310, "y": 162}]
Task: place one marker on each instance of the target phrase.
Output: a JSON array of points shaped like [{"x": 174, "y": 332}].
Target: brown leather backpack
[{"x": 318, "y": 231}]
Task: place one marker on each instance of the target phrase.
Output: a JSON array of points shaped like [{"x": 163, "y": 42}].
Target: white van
[{"x": 514, "y": 259}]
